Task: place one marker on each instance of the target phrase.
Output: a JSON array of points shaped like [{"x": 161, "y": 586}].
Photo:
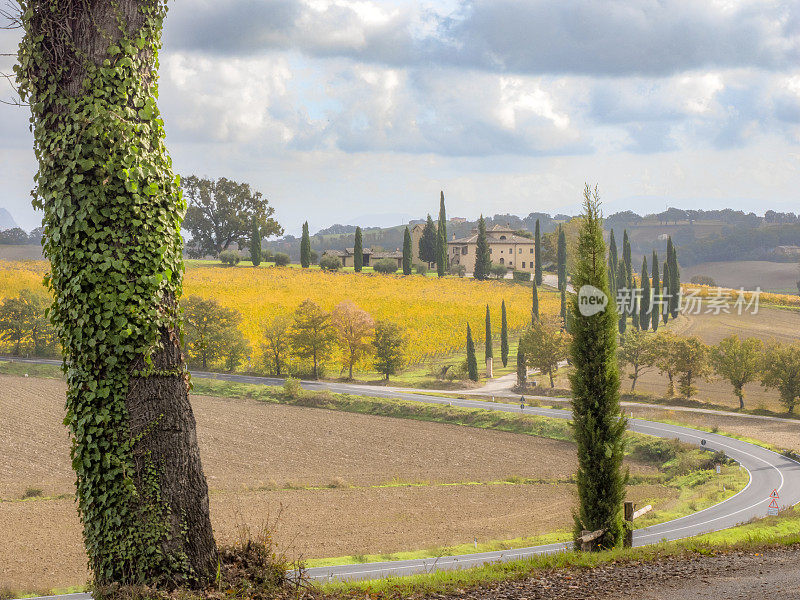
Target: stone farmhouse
[
  {"x": 505, "y": 248},
  {"x": 369, "y": 256}
]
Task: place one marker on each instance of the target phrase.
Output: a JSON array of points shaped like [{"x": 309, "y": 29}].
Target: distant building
[
  {"x": 788, "y": 250},
  {"x": 369, "y": 256},
  {"x": 458, "y": 220},
  {"x": 505, "y": 248}
]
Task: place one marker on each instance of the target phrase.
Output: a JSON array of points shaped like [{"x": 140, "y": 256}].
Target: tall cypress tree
[
  {"x": 472, "y": 361},
  {"x": 561, "y": 256},
  {"x": 255, "y": 243},
  {"x": 665, "y": 281},
  {"x": 612, "y": 263},
  {"x": 657, "y": 307},
  {"x": 522, "y": 368},
  {"x": 626, "y": 258},
  {"x": 636, "y": 303},
  {"x": 537, "y": 259},
  {"x": 563, "y": 312},
  {"x": 488, "y": 353},
  {"x": 427, "y": 242},
  {"x": 644, "y": 307},
  {"x": 597, "y": 419},
  {"x": 441, "y": 240},
  {"x": 407, "y": 255},
  {"x": 358, "y": 251},
  {"x": 305, "y": 247},
  {"x": 535, "y": 304},
  {"x": 622, "y": 284},
  {"x": 675, "y": 278},
  {"x": 483, "y": 260},
  {"x": 503, "y": 334}
]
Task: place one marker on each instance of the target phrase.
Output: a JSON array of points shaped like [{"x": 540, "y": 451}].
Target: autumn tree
[
  {"x": 389, "y": 346},
  {"x": 738, "y": 361},
  {"x": 665, "y": 345},
  {"x": 312, "y": 334},
  {"x": 222, "y": 212},
  {"x": 636, "y": 351},
  {"x": 275, "y": 343},
  {"x": 112, "y": 217},
  {"x": 690, "y": 362},
  {"x": 207, "y": 327},
  {"x": 25, "y": 326},
  {"x": 354, "y": 329},
  {"x": 545, "y": 345},
  {"x": 782, "y": 372}
]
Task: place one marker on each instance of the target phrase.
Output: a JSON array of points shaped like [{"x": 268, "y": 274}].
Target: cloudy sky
[{"x": 362, "y": 110}]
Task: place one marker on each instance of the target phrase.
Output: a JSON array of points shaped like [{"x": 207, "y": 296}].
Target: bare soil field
[
  {"x": 249, "y": 448},
  {"x": 779, "y": 277}
]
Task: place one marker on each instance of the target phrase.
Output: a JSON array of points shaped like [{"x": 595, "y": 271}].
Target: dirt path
[{"x": 771, "y": 574}]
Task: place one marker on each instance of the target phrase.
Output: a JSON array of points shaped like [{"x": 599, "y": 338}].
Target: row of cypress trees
[{"x": 472, "y": 361}]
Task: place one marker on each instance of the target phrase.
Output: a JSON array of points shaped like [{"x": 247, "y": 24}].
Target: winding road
[{"x": 768, "y": 471}]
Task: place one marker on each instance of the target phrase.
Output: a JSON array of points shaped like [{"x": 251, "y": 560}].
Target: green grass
[{"x": 21, "y": 369}]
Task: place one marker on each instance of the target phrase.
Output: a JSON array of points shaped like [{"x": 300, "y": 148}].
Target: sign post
[{"x": 772, "y": 509}]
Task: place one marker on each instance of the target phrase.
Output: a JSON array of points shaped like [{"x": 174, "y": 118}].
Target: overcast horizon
[{"x": 337, "y": 110}]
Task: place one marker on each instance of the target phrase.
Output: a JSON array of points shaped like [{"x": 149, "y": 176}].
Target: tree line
[{"x": 300, "y": 343}]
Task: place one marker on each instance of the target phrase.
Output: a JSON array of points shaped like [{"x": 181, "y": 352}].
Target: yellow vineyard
[{"x": 433, "y": 311}]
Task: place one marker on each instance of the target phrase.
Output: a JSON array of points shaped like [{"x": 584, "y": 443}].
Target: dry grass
[{"x": 770, "y": 276}]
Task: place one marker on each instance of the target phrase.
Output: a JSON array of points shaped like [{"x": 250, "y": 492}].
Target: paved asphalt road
[{"x": 768, "y": 470}]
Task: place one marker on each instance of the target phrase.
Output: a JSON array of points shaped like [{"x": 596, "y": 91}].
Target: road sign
[
  {"x": 772, "y": 510},
  {"x": 774, "y": 494}
]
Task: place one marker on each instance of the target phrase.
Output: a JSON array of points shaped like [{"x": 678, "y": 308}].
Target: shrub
[
  {"x": 499, "y": 271},
  {"x": 385, "y": 265},
  {"x": 330, "y": 263},
  {"x": 459, "y": 270},
  {"x": 703, "y": 280},
  {"x": 281, "y": 259},
  {"x": 32, "y": 492},
  {"x": 421, "y": 269},
  {"x": 521, "y": 275},
  {"x": 291, "y": 387},
  {"x": 229, "y": 257}
]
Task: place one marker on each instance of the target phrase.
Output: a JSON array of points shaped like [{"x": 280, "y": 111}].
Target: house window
[
  {"x": 476, "y": 250},
  {"x": 502, "y": 261},
  {"x": 520, "y": 251},
  {"x": 501, "y": 251},
  {"x": 523, "y": 264},
  {"x": 531, "y": 250},
  {"x": 502, "y": 237}
]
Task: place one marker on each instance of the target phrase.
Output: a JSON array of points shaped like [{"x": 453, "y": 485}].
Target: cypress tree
[
  {"x": 488, "y": 353},
  {"x": 358, "y": 251},
  {"x": 675, "y": 278},
  {"x": 657, "y": 307},
  {"x": 665, "y": 279},
  {"x": 562, "y": 258},
  {"x": 305, "y": 247},
  {"x": 563, "y": 312},
  {"x": 255, "y": 244},
  {"x": 407, "y": 252},
  {"x": 612, "y": 264},
  {"x": 537, "y": 259},
  {"x": 503, "y": 334},
  {"x": 427, "y": 242},
  {"x": 483, "y": 260},
  {"x": 522, "y": 368},
  {"x": 472, "y": 361},
  {"x": 636, "y": 304},
  {"x": 644, "y": 307},
  {"x": 535, "y": 305},
  {"x": 622, "y": 284},
  {"x": 626, "y": 258},
  {"x": 597, "y": 419},
  {"x": 441, "y": 240}
]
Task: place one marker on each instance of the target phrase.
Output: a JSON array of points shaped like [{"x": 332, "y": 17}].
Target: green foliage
[
  {"x": 459, "y": 270},
  {"x": 483, "y": 260},
  {"x": 690, "y": 362},
  {"x": 622, "y": 287},
  {"x": 385, "y": 265},
  {"x": 281, "y": 259},
  {"x": 255, "y": 242},
  {"x": 782, "y": 372},
  {"x": 522, "y": 368},
  {"x": 441, "y": 240},
  {"x": 561, "y": 258},
  {"x": 305, "y": 247},
  {"x": 534, "y": 303},
  {"x": 597, "y": 419},
  {"x": 738, "y": 361},
  {"x": 24, "y": 325},
  {"x": 222, "y": 212},
  {"x": 358, "y": 251},
  {"x": 421, "y": 269},
  {"x": 657, "y": 307},
  {"x": 613, "y": 259},
  {"x": 544, "y": 345},
  {"x": 537, "y": 261},
  {"x": 703, "y": 280},
  {"x": 312, "y": 334},
  {"x": 665, "y": 283},
  {"x": 637, "y": 350},
  {"x": 498, "y": 271},
  {"x": 230, "y": 258},
  {"x": 407, "y": 253},
  {"x": 427, "y": 242},
  {"x": 276, "y": 343},
  {"x": 521, "y": 275},
  {"x": 487, "y": 340},
  {"x": 209, "y": 331},
  {"x": 112, "y": 217},
  {"x": 626, "y": 259},
  {"x": 674, "y": 279},
  {"x": 503, "y": 334},
  {"x": 389, "y": 344},
  {"x": 329, "y": 262},
  {"x": 472, "y": 361}
]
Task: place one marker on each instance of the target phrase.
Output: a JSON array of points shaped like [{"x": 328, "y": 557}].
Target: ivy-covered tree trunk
[{"x": 112, "y": 215}]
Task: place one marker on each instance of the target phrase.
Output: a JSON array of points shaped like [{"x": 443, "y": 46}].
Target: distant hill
[{"x": 6, "y": 220}]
